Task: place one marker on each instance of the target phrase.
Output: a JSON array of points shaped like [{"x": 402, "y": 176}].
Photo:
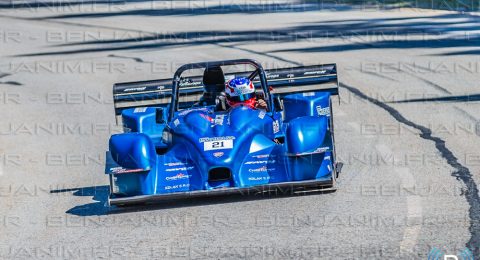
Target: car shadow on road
[{"x": 100, "y": 195}]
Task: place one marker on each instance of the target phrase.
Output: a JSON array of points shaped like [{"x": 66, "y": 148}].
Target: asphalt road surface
[{"x": 407, "y": 129}]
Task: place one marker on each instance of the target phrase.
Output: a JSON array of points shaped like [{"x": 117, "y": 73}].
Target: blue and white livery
[{"x": 175, "y": 148}]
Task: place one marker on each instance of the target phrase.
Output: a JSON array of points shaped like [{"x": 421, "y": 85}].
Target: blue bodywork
[{"x": 203, "y": 149}]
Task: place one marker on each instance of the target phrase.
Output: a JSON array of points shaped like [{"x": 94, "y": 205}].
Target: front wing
[{"x": 294, "y": 187}]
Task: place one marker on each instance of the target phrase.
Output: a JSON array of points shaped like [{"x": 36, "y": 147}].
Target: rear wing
[
  {"x": 303, "y": 79},
  {"x": 283, "y": 81}
]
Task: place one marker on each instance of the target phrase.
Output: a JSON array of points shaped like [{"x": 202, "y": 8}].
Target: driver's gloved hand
[{"x": 261, "y": 104}]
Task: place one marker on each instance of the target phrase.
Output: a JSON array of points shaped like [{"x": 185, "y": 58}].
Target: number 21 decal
[{"x": 217, "y": 145}]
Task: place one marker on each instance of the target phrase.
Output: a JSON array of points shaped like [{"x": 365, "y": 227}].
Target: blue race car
[{"x": 182, "y": 140}]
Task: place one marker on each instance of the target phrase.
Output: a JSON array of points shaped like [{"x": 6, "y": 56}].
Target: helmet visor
[{"x": 241, "y": 97}]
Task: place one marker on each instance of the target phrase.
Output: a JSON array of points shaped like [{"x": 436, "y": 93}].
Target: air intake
[{"x": 220, "y": 174}]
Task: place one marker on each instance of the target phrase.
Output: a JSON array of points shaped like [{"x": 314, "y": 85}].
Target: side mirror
[
  {"x": 159, "y": 118},
  {"x": 277, "y": 103},
  {"x": 221, "y": 101}
]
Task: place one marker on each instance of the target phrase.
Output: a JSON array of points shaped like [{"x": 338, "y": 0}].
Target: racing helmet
[{"x": 240, "y": 91}]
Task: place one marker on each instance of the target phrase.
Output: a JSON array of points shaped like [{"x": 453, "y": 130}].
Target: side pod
[
  {"x": 133, "y": 151},
  {"x": 306, "y": 152},
  {"x": 306, "y": 134}
]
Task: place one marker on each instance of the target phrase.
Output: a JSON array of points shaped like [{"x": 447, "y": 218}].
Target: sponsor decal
[
  {"x": 276, "y": 126},
  {"x": 244, "y": 89},
  {"x": 272, "y": 76},
  {"x": 176, "y": 122},
  {"x": 318, "y": 150},
  {"x": 218, "y": 138},
  {"x": 119, "y": 170},
  {"x": 262, "y": 169},
  {"x": 309, "y": 94},
  {"x": 184, "y": 185},
  {"x": 166, "y": 136},
  {"x": 323, "y": 111},
  {"x": 218, "y": 154},
  {"x": 179, "y": 169},
  {"x": 185, "y": 112},
  {"x": 189, "y": 83},
  {"x": 290, "y": 75},
  {"x": 315, "y": 72},
  {"x": 262, "y": 114},
  {"x": 262, "y": 156},
  {"x": 321, "y": 149},
  {"x": 219, "y": 120},
  {"x": 174, "y": 164},
  {"x": 134, "y": 89},
  {"x": 140, "y": 110},
  {"x": 263, "y": 178},
  {"x": 260, "y": 162},
  {"x": 179, "y": 176}
]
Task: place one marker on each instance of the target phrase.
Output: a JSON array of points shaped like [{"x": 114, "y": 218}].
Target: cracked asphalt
[{"x": 407, "y": 128}]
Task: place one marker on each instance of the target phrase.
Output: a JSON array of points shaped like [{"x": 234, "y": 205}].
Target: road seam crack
[{"x": 461, "y": 173}]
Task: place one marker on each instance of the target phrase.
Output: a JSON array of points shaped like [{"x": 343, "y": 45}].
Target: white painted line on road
[
  {"x": 414, "y": 211},
  {"x": 414, "y": 204}
]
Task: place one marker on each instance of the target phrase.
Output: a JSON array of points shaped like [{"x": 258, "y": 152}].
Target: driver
[{"x": 241, "y": 91}]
